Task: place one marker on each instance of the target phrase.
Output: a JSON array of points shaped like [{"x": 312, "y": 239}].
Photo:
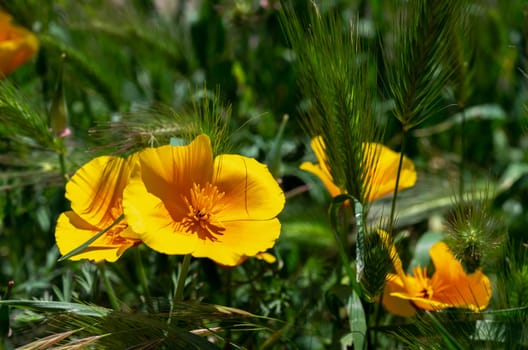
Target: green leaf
[
  {"x": 357, "y": 323},
  {"x": 58, "y": 306}
]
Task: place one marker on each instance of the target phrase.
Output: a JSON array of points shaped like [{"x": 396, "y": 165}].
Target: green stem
[
  {"x": 229, "y": 296},
  {"x": 182, "y": 276},
  {"x": 462, "y": 153},
  {"x": 343, "y": 231},
  {"x": 109, "y": 289},
  {"x": 62, "y": 165},
  {"x": 142, "y": 276},
  {"x": 395, "y": 196},
  {"x": 340, "y": 230}
]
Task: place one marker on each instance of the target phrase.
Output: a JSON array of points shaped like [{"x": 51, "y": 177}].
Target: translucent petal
[
  {"x": 250, "y": 191},
  {"x": 96, "y": 189},
  {"x": 169, "y": 171},
  {"x": 382, "y": 177},
  {"x": 72, "y": 231}
]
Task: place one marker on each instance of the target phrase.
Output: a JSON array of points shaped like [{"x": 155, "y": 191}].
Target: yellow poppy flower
[
  {"x": 96, "y": 194},
  {"x": 17, "y": 45},
  {"x": 181, "y": 201},
  {"x": 449, "y": 286},
  {"x": 381, "y": 178}
]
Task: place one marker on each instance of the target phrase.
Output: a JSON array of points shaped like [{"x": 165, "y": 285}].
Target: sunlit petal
[
  {"x": 97, "y": 187},
  {"x": 382, "y": 178},
  {"x": 323, "y": 176},
  {"x": 153, "y": 223},
  {"x": 396, "y": 305},
  {"x": 169, "y": 170},
  {"x": 466, "y": 290},
  {"x": 181, "y": 202},
  {"x": 72, "y": 231},
  {"x": 250, "y": 190},
  {"x": 381, "y": 166},
  {"x": 242, "y": 238},
  {"x": 448, "y": 287}
]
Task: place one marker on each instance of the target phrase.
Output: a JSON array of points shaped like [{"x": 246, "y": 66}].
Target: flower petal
[
  {"x": 250, "y": 191},
  {"x": 241, "y": 239},
  {"x": 72, "y": 231},
  {"x": 392, "y": 301},
  {"x": 321, "y": 169},
  {"x": 153, "y": 223},
  {"x": 323, "y": 176},
  {"x": 17, "y": 45},
  {"x": 169, "y": 171},
  {"x": 453, "y": 286},
  {"x": 96, "y": 189},
  {"x": 382, "y": 177}
]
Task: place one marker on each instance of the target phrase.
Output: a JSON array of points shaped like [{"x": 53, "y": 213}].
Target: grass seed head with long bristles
[
  {"x": 333, "y": 73},
  {"x": 378, "y": 262},
  {"x": 22, "y": 123},
  {"x": 474, "y": 233},
  {"x": 420, "y": 64},
  {"x": 158, "y": 125}
]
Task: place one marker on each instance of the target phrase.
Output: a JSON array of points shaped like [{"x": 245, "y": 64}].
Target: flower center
[
  {"x": 113, "y": 236},
  {"x": 202, "y": 205},
  {"x": 425, "y": 290}
]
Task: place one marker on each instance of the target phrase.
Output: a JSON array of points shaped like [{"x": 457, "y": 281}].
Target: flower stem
[
  {"x": 340, "y": 227},
  {"x": 395, "y": 195},
  {"x": 62, "y": 165},
  {"x": 109, "y": 289},
  {"x": 182, "y": 276},
  {"x": 462, "y": 153},
  {"x": 142, "y": 276}
]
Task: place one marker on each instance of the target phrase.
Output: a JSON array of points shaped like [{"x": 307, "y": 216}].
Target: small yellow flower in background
[
  {"x": 96, "y": 194},
  {"x": 448, "y": 287},
  {"x": 17, "y": 45},
  {"x": 182, "y": 201},
  {"x": 381, "y": 179},
  {"x": 264, "y": 256}
]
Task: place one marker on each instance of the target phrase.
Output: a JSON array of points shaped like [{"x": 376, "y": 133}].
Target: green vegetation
[{"x": 443, "y": 82}]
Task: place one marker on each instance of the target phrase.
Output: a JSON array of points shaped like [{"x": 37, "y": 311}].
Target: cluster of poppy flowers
[
  {"x": 449, "y": 286},
  {"x": 176, "y": 200}
]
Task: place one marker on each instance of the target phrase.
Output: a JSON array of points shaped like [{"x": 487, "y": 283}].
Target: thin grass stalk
[
  {"x": 62, "y": 164},
  {"x": 343, "y": 236},
  {"x": 229, "y": 297},
  {"x": 142, "y": 276},
  {"x": 340, "y": 229},
  {"x": 462, "y": 153},
  {"x": 182, "y": 276},
  {"x": 395, "y": 195},
  {"x": 114, "y": 302}
]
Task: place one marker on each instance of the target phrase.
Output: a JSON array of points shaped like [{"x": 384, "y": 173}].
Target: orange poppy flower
[
  {"x": 96, "y": 195},
  {"x": 448, "y": 287},
  {"x": 182, "y": 201},
  {"x": 17, "y": 45},
  {"x": 381, "y": 178}
]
